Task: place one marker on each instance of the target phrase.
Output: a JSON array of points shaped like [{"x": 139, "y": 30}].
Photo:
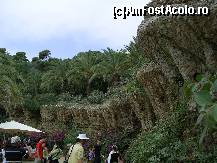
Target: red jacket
[{"x": 39, "y": 150}]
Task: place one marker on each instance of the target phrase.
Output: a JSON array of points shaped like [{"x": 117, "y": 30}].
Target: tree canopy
[{"x": 46, "y": 79}]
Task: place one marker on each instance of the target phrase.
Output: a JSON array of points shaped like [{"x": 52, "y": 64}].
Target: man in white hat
[{"x": 76, "y": 152}]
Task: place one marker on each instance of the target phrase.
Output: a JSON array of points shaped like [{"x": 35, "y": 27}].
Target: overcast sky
[{"x": 65, "y": 27}]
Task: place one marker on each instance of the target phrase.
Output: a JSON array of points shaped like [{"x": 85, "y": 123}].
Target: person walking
[
  {"x": 76, "y": 152},
  {"x": 97, "y": 150},
  {"x": 39, "y": 151},
  {"x": 91, "y": 155},
  {"x": 114, "y": 155},
  {"x": 45, "y": 153},
  {"x": 28, "y": 147},
  {"x": 55, "y": 154}
]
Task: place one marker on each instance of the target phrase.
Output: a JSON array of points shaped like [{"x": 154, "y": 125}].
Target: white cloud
[{"x": 36, "y": 20}]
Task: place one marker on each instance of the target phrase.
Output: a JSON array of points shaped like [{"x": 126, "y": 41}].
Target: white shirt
[
  {"x": 110, "y": 154},
  {"x": 3, "y": 156}
]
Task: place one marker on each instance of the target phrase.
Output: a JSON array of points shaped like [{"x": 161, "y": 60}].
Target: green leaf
[
  {"x": 211, "y": 123},
  {"x": 214, "y": 86},
  {"x": 213, "y": 112},
  {"x": 203, "y": 134},
  {"x": 199, "y": 119},
  {"x": 194, "y": 88},
  {"x": 199, "y": 77},
  {"x": 207, "y": 86},
  {"x": 202, "y": 98},
  {"x": 211, "y": 117},
  {"x": 187, "y": 89},
  {"x": 203, "y": 109},
  {"x": 212, "y": 78}
]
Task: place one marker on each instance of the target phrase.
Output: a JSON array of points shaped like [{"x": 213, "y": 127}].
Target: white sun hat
[
  {"x": 82, "y": 136},
  {"x": 15, "y": 139}
]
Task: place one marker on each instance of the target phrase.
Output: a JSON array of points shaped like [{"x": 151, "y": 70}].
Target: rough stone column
[
  {"x": 158, "y": 89},
  {"x": 143, "y": 110}
]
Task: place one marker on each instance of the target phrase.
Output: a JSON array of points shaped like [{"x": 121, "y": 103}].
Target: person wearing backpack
[
  {"x": 114, "y": 155},
  {"x": 76, "y": 152},
  {"x": 97, "y": 150}
]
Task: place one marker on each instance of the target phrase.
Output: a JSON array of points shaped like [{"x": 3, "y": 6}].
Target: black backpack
[
  {"x": 114, "y": 157},
  {"x": 13, "y": 155}
]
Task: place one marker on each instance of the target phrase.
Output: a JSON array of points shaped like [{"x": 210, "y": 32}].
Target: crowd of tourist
[{"x": 16, "y": 150}]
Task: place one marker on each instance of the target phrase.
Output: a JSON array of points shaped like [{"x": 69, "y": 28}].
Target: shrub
[
  {"x": 58, "y": 136},
  {"x": 96, "y": 97},
  {"x": 204, "y": 93},
  {"x": 66, "y": 97},
  {"x": 162, "y": 144},
  {"x": 70, "y": 137}
]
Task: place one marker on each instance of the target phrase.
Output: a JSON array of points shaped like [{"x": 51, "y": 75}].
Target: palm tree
[
  {"x": 114, "y": 65},
  {"x": 84, "y": 67},
  {"x": 135, "y": 57},
  {"x": 33, "y": 82},
  {"x": 55, "y": 79}
]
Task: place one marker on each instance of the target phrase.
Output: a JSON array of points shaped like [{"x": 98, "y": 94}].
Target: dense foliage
[
  {"x": 174, "y": 140},
  {"x": 186, "y": 135},
  {"x": 204, "y": 94},
  {"x": 87, "y": 77}
]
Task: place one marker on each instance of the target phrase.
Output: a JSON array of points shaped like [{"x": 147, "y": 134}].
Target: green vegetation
[
  {"x": 185, "y": 135},
  {"x": 92, "y": 77},
  {"x": 70, "y": 138},
  {"x": 204, "y": 93},
  {"x": 173, "y": 140},
  {"x": 88, "y": 77},
  {"x": 10, "y": 82}
]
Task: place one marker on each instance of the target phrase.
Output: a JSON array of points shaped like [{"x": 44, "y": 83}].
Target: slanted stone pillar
[
  {"x": 158, "y": 89},
  {"x": 144, "y": 111}
]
